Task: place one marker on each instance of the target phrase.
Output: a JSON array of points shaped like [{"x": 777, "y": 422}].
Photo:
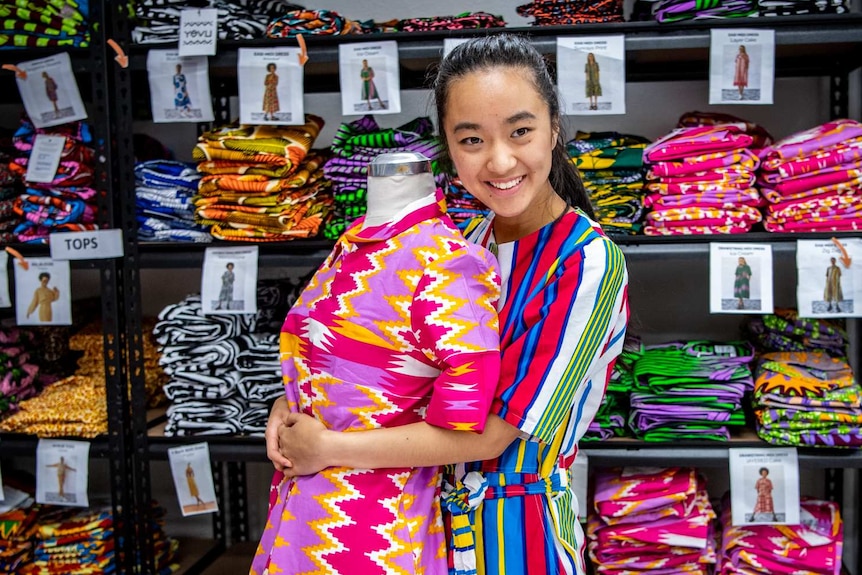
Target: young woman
[
  {"x": 593, "y": 83},
  {"x": 563, "y": 313},
  {"x": 270, "y": 93}
]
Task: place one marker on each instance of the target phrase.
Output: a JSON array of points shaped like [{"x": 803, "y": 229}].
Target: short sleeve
[
  {"x": 571, "y": 331},
  {"x": 454, "y": 317}
]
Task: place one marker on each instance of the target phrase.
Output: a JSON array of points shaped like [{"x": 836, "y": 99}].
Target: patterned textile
[
  {"x": 409, "y": 268},
  {"x": 315, "y": 22},
  {"x": 18, "y": 374},
  {"x": 44, "y": 23},
  {"x": 158, "y": 21},
  {"x": 163, "y": 202},
  {"x": 560, "y": 12},
  {"x": 613, "y": 414},
  {"x": 666, "y": 11},
  {"x": 522, "y": 500},
  {"x": 813, "y": 547},
  {"x": 786, "y": 331},
  {"x": 465, "y": 21},
  {"x": 75, "y": 406}
]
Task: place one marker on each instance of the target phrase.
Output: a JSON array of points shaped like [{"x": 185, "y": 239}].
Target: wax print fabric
[
  {"x": 564, "y": 283},
  {"x": 611, "y": 166},
  {"x": 417, "y": 341},
  {"x": 811, "y": 179},
  {"x": 668, "y": 11},
  {"x": 19, "y": 376},
  {"x": 612, "y": 417},
  {"x": 785, "y": 330},
  {"x": 163, "y": 202},
  {"x": 648, "y": 520},
  {"x": 44, "y": 23},
  {"x": 813, "y": 547},
  {"x": 560, "y": 12}
]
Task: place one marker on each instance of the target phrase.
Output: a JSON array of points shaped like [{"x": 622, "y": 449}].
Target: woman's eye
[
  {"x": 521, "y": 132},
  {"x": 471, "y": 141}
]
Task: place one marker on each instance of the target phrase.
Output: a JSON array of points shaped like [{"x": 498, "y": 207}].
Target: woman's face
[
  {"x": 742, "y": 261},
  {"x": 179, "y": 68},
  {"x": 365, "y": 63},
  {"x": 500, "y": 138}
]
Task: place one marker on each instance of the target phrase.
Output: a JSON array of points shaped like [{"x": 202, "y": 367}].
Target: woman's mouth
[{"x": 505, "y": 186}]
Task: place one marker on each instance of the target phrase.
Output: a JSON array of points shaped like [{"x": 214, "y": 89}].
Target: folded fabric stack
[
  {"x": 611, "y": 166},
  {"x": 784, "y": 330},
  {"x": 461, "y": 205},
  {"x": 262, "y": 183},
  {"x": 801, "y": 7},
  {"x": 222, "y": 373},
  {"x": 18, "y": 515},
  {"x": 43, "y": 23},
  {"x": 690, "y": 390},
  {"x": 163, "y": 202},
  {"x": 67, "y": 203},
  {"x": 18, "y": 374},
  {"x": 701, "y": 181},
  {"x": 316, "y": 23},
  {"x": 75, "y": 406},
  {"x": 651, "y": 521},
  {"x": 807, "y": 398},
  {"x": 813, "y": 547},
  {"x": 613, "y": 413},
  {"x": 465, "y": 21},
  {"x": 676, "y": 10},
  {"x": 564, "y": 12},
  {"x": 10, "y": 188},
  {"x": 812, "y": 179},
  {"x": 158, "y": 21},
  {"x": 355, "y": 144}
]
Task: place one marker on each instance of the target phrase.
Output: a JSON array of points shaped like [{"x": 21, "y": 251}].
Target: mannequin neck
[{"x": 388, "y": 196}]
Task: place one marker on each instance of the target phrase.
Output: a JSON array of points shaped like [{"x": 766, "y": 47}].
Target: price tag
[
  {"x": 90, "y": 245},
  {"x": 198, "y": 32},
  {"x": 44, "y": 159}
]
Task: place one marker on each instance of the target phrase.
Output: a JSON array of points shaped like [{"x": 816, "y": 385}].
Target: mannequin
[
  {"x": 395, "y": 181},
  {"x": 398, "y": 325}
]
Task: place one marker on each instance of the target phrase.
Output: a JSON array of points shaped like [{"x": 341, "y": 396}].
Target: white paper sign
[
  {"x": 62, "y": 471},
  {"x": 450, "y": 43},
  {"x": 229, "y": 280},
  {"x": 764, "y": 486},
  {"x": 370, "y": 78},
  {"x": 270, "y": 86},
  {"x": 50, "y": 91},
  {"x": 13, "y": 498},
  {"x": 193, "y": 478},
  {"x": 591, "y": 74},
  {"x": 740, "y": 278},
  {"x": 5, "y": 299},
  {"x": 179, "y": 87},
  {"x": 2, "y": 492},
  {"x": 42, "y": 293},
  {"x": 198, "y": 32},
  {"x": 88, "y": 245},
  {"x": 45, "y": 158},
  {"x": 829, "y": 281},
  {"x": 741, "y": 66}
]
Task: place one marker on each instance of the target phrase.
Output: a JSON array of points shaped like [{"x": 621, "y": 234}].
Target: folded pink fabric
[
  {"x": 809, "y": 142},
  {"x": 744, "y": 159},
  {"x": 686, "y": 142}
]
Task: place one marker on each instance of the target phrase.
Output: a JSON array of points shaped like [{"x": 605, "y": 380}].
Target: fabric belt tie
[{"x": 463, "y": 499}]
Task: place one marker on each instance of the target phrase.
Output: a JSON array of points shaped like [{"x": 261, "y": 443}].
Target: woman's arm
[{"x": 305, "y": 446}]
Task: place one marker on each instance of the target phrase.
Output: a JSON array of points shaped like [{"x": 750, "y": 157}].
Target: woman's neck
[{"x": 512, "y": 229}]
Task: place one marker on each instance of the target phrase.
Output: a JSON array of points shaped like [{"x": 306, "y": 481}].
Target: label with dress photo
[
  {"x": 370, "y": 78},
  {"x": 191, "y": 469},
  {"x": 741, "y": 66},
  {"x": 42, "y": 293},
  {"x": 179, "y": 87},
  {"x": 270, "y": 86},
  {"x": 764, "y": 486},
  {"x": 229, "y": 280},
  {"x": 62, "y": 472},
  {"x": 828, "y": 282},
  {"x": 50, "y": 91},
  {"x": 740, "y": 278},
  {"x": 591, "y": 74}
]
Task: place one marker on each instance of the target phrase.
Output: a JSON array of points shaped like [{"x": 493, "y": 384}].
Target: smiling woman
[{"x": 564, "y": 285}]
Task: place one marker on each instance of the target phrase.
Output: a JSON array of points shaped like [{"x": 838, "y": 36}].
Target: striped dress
[{"x": 563, "y": 315}]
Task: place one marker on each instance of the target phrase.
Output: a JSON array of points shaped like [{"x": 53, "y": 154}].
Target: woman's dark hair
[
  {"x": 271, "y": 66},
  {"x": 513, "y": 51},
  {"x": 762, "y": 469},
  {"x": 44, "y": 275}
]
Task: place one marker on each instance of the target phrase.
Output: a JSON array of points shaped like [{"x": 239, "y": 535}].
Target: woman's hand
[
  {"x": 301, "y": 442},
  {"x": 277, "y": 417}
]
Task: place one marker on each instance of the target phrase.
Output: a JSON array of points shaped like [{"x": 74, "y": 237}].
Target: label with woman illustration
[
  {"x": 270, "y": 86},
  {"x": 741, "y": 66},
  {"x": 591, "y": 74},
  {"x": 193, "y": 478},
  {"x": 370, "y": 79},
  {"x": 179, "y": 87},
  {"x": 42, "y": 293},
  {"x": 50, "y": 92},
  {"x": 229, "y": 282},
  {"x": 764, "y": 486},
  {"x": 740, "y": 278},
  {"x": 62, "y": 472},
  {"x": 827, "y": 277}
]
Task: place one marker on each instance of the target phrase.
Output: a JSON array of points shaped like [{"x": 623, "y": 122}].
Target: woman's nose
[{"x": 501, "y": 159}]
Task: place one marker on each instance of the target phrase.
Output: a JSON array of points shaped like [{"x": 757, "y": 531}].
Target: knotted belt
[{"x": 463, "y": 500}]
